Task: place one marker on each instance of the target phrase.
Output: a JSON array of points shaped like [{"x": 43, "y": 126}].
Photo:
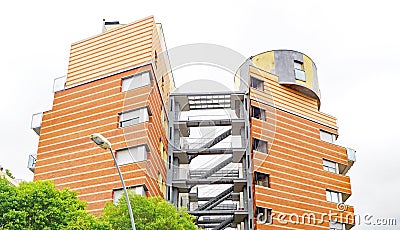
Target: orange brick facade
[
  {"x": 66, "y": 154},
  {"x": 294, "y": 163}
]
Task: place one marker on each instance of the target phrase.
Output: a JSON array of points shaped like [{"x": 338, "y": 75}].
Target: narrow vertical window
[
  {"x": 258, "y": 113},
  {"x": 260, "y": 145},
  {"x": 299, "y": 71},
  {"x": 333, "y": 196},
  {"x": 327, "y": 136},
  {"x": 256, "y": 83},
  {"x": 330, "y": 166},
  {"x": 155, "y": 59},
  {"x": 261, "y": 179}
]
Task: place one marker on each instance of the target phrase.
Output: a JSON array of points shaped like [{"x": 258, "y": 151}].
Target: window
[
  {"x": 335, "y": 226},
  {"x": 263, "y": 215},
  {"x": 256, "y": 83},
  {"x": 161, "y": 183},
  {"x": 133, "y": 117},
  {"x": 333, "y": 196},
  {"x": 135, "y": 81},
  {"x": 168, "y": 193},
  {"x": 118, "y": 193},
  {"x": 327, "y": 136},
  {"x": 155, "y": 58},
  {"x": 261, "y": 179},
  {"x": 260, "y": 145},
  {"x": 330, "y": 166},
  {"x": 163, "y": 153},
  {"x": 131, "y": 155},
  {"x": 129, "y": 122},
  {"x": 258, "y": 113},
  {"x": 299, "y": 71}
]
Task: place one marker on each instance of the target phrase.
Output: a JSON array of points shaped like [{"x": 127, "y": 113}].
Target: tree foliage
[
  {"x": 39, "y": 205},
  {"x": 149, "y": 214},
  {"x": 8, "y": 172}
]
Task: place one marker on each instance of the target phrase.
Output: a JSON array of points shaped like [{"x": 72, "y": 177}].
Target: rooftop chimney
[{"x": 110, "y": 25}]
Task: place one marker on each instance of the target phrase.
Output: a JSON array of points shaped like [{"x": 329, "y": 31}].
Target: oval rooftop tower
[{"x": 293, "y": 69}]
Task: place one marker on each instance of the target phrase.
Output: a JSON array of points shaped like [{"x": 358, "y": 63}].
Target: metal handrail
[{"x": 226, "y": 117}]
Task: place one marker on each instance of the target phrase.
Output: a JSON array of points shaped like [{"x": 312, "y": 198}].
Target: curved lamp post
[{"x": 103, "y": 143}]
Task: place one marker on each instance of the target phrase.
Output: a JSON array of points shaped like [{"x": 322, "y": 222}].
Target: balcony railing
[
  {"x": 200, "y": 143},
  {"x": 185, "y": 174},
  {"x": 231, "y": 173},
  {"x": 36, "y": 122},
  {"x": 59, "y": 84},
  {"x": 32, "y": 162},
  {"x": 226, "y": 207},
  {"x": 351, "y": 158},
  {"x": 351, "y": 154}
]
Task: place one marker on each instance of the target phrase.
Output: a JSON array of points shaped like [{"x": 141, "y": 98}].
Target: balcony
[
  {"x": 351, "y": 158},
  {"x": 59, "y": 84},
  {"x": 36, "y": 122},
  {"x": 351, "y": 155},
  {"x": 32, "y": 162}
]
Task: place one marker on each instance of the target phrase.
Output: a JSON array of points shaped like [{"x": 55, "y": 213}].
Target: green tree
[
  {"x": 149, "y": 213},
  {"x": 8, "y": 172},
  {"x": 39, "y": 205}
]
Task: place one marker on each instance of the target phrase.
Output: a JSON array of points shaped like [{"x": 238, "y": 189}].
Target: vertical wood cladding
[{"x": 294, "y": 161}]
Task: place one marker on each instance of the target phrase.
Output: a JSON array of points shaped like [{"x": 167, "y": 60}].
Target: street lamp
[{"x": 103, "y": 143}]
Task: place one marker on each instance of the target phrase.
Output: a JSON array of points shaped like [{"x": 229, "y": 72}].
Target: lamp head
[{"x": 101, "y": 141}]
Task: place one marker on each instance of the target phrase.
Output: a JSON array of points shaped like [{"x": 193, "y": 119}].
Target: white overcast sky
[{"x": 355, "y": 45}]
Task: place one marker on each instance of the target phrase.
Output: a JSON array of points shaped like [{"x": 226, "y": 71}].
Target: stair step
[
  {"x": 224, "y": 224},
  {"x": 216, "y": 199},
  {"x": 213, "y": 142}
]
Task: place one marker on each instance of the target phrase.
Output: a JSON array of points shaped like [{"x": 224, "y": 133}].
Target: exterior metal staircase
[
  {"x": 215, "y": 169},
  {"x": 213, "y": 142},
  {"x": 224, "y": 224},
  {"x": 217, "y": 139},
  {"x": 216, "y": 200},
  {"x": 223, "y": 179}
]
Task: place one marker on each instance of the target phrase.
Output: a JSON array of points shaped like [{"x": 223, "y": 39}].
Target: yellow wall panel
[
  {"x": 308, "y": 69},
  {"x": 265, "y": 61}
]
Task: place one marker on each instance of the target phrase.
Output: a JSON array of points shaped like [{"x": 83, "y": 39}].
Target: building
[
  {"x": 113, "y": 87},
  {"x": 270, "y": 153},
  {"x": 297, "y": 167},
  {"x": 237, "y": 159}
]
